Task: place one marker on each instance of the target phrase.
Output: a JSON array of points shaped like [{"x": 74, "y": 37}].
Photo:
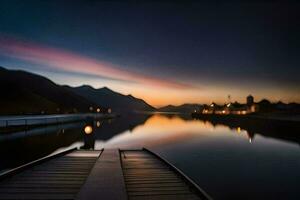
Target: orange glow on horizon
[{"x": 156, "y": 91}]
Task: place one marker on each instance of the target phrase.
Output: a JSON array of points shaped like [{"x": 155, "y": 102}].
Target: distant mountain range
[
  {"x": 184, "y": 108},
  {"x": 27, "y": 93},
  {"x": 110, "y": 99}
]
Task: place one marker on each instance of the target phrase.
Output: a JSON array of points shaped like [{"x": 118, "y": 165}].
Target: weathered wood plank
[
  {"x": 166, "y": 197},
  {"x": 58, "y": 178},
  {"x": 147, "y": 177},
  {"x": 106, "y": 179},
  {"x": 145, "y": 185},
  {"x": 149, "y": 193},
  {"x": 36, "y": 196}
]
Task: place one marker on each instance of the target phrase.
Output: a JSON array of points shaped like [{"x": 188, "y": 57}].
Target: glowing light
[
  {"x": 238, "y": 129},
  {"x": 98, "y": 124},
  {"x": 109, "y": 110},
  {"x": 228, "y": 105},
  {"x": 88, "y": 130},
  {"x": 223, "y": 111},
  {"x": 212, "y": 105},
  {"x": 91, "y": 108},
  {"x": 98, "y": 110}
]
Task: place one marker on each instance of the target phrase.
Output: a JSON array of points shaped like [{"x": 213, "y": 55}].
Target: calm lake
[{"x": 227, "y": 162}]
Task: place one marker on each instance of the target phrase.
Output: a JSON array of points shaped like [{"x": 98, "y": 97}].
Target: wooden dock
[{"x": 110, "y": 174}]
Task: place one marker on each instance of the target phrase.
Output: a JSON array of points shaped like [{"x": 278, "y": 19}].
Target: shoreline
[
  {"x": 263, "y": 116},
  {"x": 15, "y": 123},
  {"x": 254, "y": 124}
]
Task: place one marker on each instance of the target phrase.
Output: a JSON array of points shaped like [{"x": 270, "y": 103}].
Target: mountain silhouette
[
  {"x": 26, "y": 93},
  {"x": 184, "y": 108},
  {"x": 111, "y": 99}
]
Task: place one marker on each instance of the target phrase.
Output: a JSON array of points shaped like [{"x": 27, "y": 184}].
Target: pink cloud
[{"x": 68, "y": 61}]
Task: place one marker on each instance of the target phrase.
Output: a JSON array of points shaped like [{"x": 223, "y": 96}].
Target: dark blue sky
[{"x": 230, "y": 48}]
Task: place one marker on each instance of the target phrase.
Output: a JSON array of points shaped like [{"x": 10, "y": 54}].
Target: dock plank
[
  {"x": 147, "y": 177},
  {"x": 58, "y": 178},
  {"x": 106, "y": 179},
  {"x": 110, "y": 174}
]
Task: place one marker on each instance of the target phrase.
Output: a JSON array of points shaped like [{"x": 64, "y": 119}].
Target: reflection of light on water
[
  {"x": 161, "y": 130},
  {"x": 244, "y": 132},
  {"x": 88, "y": 130},
  {"x": 98, "y": 124},
  {"x": 249, "y": 137}
]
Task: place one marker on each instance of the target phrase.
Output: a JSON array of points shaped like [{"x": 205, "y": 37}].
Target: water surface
[{"x": 227, "y": 162}]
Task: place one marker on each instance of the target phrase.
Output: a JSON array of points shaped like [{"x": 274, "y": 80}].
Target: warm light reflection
[
  {"x": 161, "y": 130},
  {"x": 98, "y": 124},
  {"x": 238, "y": 129},
  {"x": 88, "y": 130}
]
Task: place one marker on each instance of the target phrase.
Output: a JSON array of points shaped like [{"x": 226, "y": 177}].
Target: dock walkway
[{"x": 110, "y": 174}]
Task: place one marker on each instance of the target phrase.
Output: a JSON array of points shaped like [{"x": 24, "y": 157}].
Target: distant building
[
  {"x": 234, "y": 108},
  {"x": 250, "y": 100},
  {"x": 252, "y": 107}
]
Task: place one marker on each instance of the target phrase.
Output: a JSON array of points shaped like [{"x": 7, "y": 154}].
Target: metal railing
[{"x": 41, "y": 120}]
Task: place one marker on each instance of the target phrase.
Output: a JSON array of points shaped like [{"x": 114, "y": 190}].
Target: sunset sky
[{"x": 163, "y": 52}]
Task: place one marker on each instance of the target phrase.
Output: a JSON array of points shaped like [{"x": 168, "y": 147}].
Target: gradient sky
[{"x": 163, "y": 52}]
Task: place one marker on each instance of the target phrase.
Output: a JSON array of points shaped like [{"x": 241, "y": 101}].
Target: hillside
[
  {"x": 27, "y": 93},
  {"x": 184, "y": 108},
  {"x": 109, "y": 98}
]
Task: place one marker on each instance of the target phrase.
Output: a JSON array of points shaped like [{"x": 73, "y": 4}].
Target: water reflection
[
  {"x": 164, "y": 129},
  {"x": 98, "y": 123},
  {"x": 218, "y": 155},
  {"x": 277, "y": 130},
  {"x": 222, "y": 156},
  {"x": 23, "y": 146}
]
